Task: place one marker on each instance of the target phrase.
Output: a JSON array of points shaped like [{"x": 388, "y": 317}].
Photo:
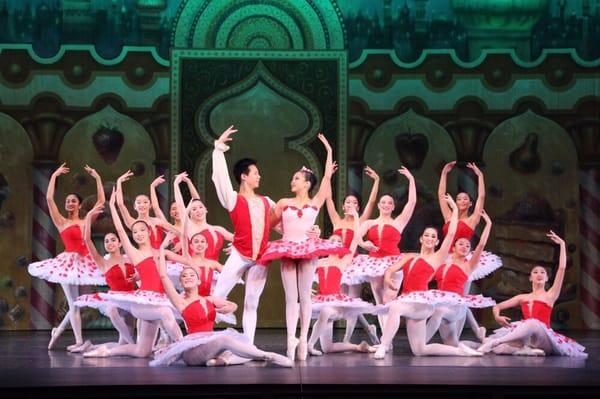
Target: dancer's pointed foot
[
  {"x": 302, "y": 350},
  {"x": 372, "y": 332},
  {"x": 380, "y": 352},
  {"x": 100, "y": 351},
  {"x": 292, "y": 343},
  {"x": 529, "y": 351},
  {"x": 365, "y": 347},
  {"x": 279, "y": 360},
  {"x": 466, "y": 351},
  {"x": 75, "y": 345},
  {"x": 217, "y": 362},
  {"x": 487, "y": 346},
  {"x": 82, "y": 348},
  {"x": 54, "y": 335},
  {"x": 314, "y": 352},
  {"x": 480, "y": 333}
]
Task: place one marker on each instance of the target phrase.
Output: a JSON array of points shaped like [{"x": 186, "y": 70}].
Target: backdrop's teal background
[{"x": 148, "y": 84}]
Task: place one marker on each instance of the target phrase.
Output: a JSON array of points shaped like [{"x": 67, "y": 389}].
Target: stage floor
[{"x": 27, "y": 368}]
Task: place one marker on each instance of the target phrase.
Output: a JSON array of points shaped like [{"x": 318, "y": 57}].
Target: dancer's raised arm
[
  {"x": 449, "y": 239},
  {"x": 191, "y": 188},
  {"x": 479, "y": 204},
  {"x": 130, "y": 250},
  {"x": 176, "y": 299},
  {"x": 356, "y": 238},
  {"x": 220, "y": 176},
  {"x": 368, "y": 209},
  {"x": 120, "y": 199},
  {"x": 446, "y": 211},
  {"x": 90, "y": 218},
  {"x": 100, "y": 197},
  {"x": 154, "y": 198},
  {"x": 482, "y": 241},
  {"x": 58, "y": 219},
  {"x": 554, "y": 291},
  {"x": 325, "y": 186},
  {"x": 402, "y": 220}
]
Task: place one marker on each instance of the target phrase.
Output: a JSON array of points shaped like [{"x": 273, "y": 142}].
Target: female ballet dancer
[
  {"x": 118, "y": 272},
  {"x": 203, "y": 346},
  {"x": 148, "y": 304},
  {"x": 453, "y": 277},
  {"x": 533, "y": 336},
  {"x": 197, "y": 221},
  {"x": 298, "y": 253},
  {"x": 467, "y": 223},
  {"x": 74, "y": 266},
  {"x": 344, "y": 227},
  {"x": 142, "y": 205},
  {"x": 330, "y": 304},
  {"x": 383, "y": 234},
  {"x": 417, "y": 303}
]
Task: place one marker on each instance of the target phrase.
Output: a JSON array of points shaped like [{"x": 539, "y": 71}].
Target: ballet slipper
[
  {"x": 82, "y": 348},
  {"x": 487, "y": 346},
  {"x": 302, "y": 350},
  {"x": 54, "y": 335},
  {"x": 372, "y": 332},
  {"x": 292, "y": 343},
  {"x": 364, "y": 347},
  {"x": 529, "y": 351},
  {"x": 380, "y": 352},
  {"x": 75, "y": 345},
  {"x": 217, "y": 362},
  {"x": 466, "y": 351},
  {"x": 314, "y": 352},
  {"x": 278, "y": 360},
  {"x": 480, "y": 333},
  {"x": 100, "y": 351}
]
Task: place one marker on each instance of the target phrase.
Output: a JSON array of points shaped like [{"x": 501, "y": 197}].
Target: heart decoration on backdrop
[{"x": 108, "y": 142}]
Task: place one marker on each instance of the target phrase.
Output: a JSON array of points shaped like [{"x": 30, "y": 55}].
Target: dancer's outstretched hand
[
  {"x": 474, "y": 168},
  {"x": 450, "y": 201},
  {"x": 125, "y": 176},
  {"x": 503, "y": 321},
  {"x": 314, "y": 231},
  {"x": 92, "y": 172},
  {"x": 180, "y": 177},
  {"x": 62, "y": 170},
  {"x": 555, "y": 238},
  {"x": 158, "y": 181},
  {"x": 405, "y": 172},
  {"x": 325, "y": 142},
  {"x": 371, "y": 173},
  {"x": 448, "y": 167},
  {"x": 226, "y": 136},
  {"x": 369, "y": 246}
]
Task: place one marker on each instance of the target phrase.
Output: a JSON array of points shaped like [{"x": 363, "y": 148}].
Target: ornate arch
[{"x": 274, "y": 25}]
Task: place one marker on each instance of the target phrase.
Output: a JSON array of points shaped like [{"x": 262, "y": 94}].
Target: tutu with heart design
[
  {"x": 68, "y": 268},
  {"x": 365, "y": 267}
]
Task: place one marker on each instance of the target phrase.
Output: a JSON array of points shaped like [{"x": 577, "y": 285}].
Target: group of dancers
[{"x": 169, "y": 271}]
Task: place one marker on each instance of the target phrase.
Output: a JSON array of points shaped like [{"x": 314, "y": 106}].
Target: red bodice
[
  {"x": 417, "y": 277},
  {"x": 330, "y": 284},
  {"x": 196, "y": 319},
  {"x": 451, "y": 278},
  {"x": 387, "y": 242},
  {"x": 214, "y": 246},
  {"x": 539, "y": 310},
  {"x": 117, "y": 281},
  {"x": 156, "y": 238},
  {"x": 206, "y": 277},
  {"x": 149, "y": 277},
  {"x": 242, "y": 227},
  {"x": 347, "y": 236},
  {"x": 462, "y": 231},
  {"x": 73, "y": 240}
]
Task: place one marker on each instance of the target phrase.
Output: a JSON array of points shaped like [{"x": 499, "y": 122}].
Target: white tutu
[
  {"x": 364, "y": 268},
  {"x": 347, "y": 306},
  {"x": 561, "y": 344},
  {"x": 68, "y": 268},
  {"x": 92, "y": 301},
  {"x": 488, "y": 263},
  {"x": 478, "y": 301},
  {"x": 126, "y": 299},
  {"x": 174, "y": 352},
  {"x": 429, "y": 297}
]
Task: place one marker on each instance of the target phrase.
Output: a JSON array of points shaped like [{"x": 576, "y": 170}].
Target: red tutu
[{"x": 307, "y": 249}]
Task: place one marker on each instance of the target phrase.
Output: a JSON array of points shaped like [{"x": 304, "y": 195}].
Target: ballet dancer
[
  {"x": 74, "y": 266},
  {"x": 298, "y": 253},
  {"x": 417, "y": 303},
  {"x": 118, "y": 272},
  {"x": 148, "y": 304},
  {"x": 453, "y": 277},
  {"x": 533, "y": 335},
  {"x": 330, "y": 304},
  {"x": 204, "y": 346}
]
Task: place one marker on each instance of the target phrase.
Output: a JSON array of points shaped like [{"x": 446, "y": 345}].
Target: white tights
[
  {"x": 256, "y": 277},
  {"x": 523, "y": 335},
  {"x": 297, "y": 278},
  {"x": 354, "y": 291},
  {"x": 323, "y": 331},
  {"x": 73, "y": 316},
  {"x": 200, "y": 355}
]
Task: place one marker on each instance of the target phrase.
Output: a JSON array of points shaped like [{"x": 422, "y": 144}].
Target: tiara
[{"x": 305, "y": 169}]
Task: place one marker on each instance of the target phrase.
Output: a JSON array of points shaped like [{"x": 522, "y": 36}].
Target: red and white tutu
[
  {"x": 429, "y": 297},
  {"x": 126, "y": 299},
  {"x": 347, "y": 306},
  {"x": 174, "y": 352},
  {"x": 477, "y": 301},
  {"x": 93, "y": 301},
  {"x": 561, "y": 345},
  {"x": 364, "y": 268},
  {"x": 307, "y": 249},
  {"x": 68, "y": 268},
  {"x": 488, "y": 263}
]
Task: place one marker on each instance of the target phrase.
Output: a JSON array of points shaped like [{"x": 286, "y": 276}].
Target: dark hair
[
  {"x": 389, "y": 195},
  {"x": 357, "y": 196},
  {"x": 309, "y": 177},
  {"x": 141, "y": 221},
  {"x": 466, "y": 193},
  {"x": 437, "y": 231},
  {"x": 113, "y": 233},
  {"x": 78, "y": 196},
  {"x": 242, "y": 167}
]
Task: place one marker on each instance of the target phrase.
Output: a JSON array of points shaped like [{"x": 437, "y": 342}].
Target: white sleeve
[{"x": 220, "y": 177}]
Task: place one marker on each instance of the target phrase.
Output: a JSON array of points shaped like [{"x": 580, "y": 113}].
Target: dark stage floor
[{"x": 27, "y": 369}]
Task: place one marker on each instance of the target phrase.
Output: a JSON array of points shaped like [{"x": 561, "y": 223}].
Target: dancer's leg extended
[
  {"x": 255, "y": 284},
  {"x": 305, "y": 274},
  {"x": 234, "y": 268},
  {"x": 143, "y": 347},
  {"x": 289, "y": 280},
  {"x": 71, "y": 294}
]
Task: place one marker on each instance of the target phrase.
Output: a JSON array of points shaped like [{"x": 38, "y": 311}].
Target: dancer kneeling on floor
[
  {"x": 533, "y": 336},
  {"x": 202, "y": 345}
]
